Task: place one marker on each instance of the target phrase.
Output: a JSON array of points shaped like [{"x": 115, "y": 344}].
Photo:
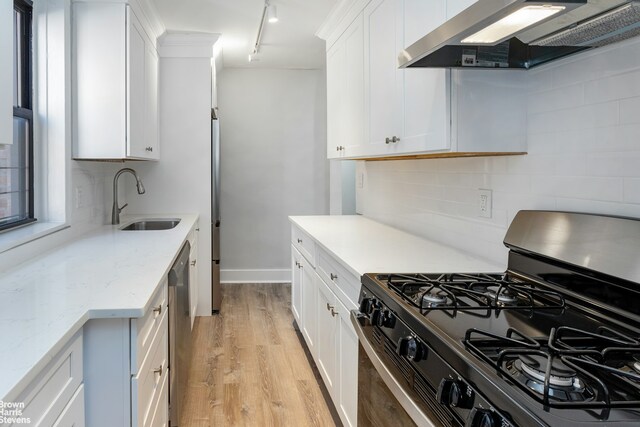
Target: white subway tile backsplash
[
  {"x": 629, "y": 110},
  {"x": 556, "y": 99},
  {"x": 632, "y": 190},
  {"x": 612, "y": 88},
  {"x": 583, "y": 139}
]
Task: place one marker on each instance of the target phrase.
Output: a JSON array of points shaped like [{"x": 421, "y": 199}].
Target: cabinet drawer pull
[
  {"x": 149, "y": 148},
  {"x": 329, "y": 307},
  {"x": 333, "y": 312},
  {"x": 193, "y": 263},
  {"x": 157, "y": 310},
  {"x": 300, "y": 241},
  {"x": 158, "y": 370},
  {"x": 333, "y": 276},
  {"x": 299, "y": 265},
  {"x": 387, "y": 140},
  {"x": 395, "y": 139}
]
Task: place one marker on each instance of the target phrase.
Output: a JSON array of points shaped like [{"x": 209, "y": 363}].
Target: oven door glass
[{"x": 377, "y": 406}]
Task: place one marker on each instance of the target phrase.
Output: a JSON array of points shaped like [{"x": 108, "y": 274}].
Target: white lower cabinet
[
  {"x": 309, "y": 289},
  {"x": 347, "y": 367},
  {"x": 193, "y": 274},
  {"x": 73, "y": 413},
  {"x": 321, "y": 308},
  {"x": 56, "y": 396},
  {"x": 126, "y": 368},
  {"x": 296, "y": 284},
  {"x": 327, "y": 329}
]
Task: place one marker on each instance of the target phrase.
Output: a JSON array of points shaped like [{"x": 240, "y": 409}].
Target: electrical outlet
[
  {"x": 79, "y": 197},
  {"x": 485, "y": 203}
]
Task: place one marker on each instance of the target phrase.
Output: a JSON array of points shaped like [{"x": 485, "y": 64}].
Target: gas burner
[
  {"x": 535, "y": 366},
  {"x": 429, "y": 297},
  {"x": 636, "y": 367},
  {"x": 505, "y": 295}
]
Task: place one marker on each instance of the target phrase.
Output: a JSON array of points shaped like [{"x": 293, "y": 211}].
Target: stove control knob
[
  {"x": 411, "y": 348},
  {"x": 480, "y": 417},
  {"x": 386, "y": 319},
  {"x": 364, "y": 305},
  {"x": 455, "y": 393}
]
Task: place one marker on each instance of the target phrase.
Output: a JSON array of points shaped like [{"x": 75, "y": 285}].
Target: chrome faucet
[{"x": 115, "y": 210}]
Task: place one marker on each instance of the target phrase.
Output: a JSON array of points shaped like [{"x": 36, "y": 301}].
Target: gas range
[{"x": 554, "y": 340}]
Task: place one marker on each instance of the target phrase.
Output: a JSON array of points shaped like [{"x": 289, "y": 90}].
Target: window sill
[{"x": 13, "y": 238}]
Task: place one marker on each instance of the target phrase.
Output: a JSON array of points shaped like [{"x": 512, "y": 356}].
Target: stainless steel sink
[{"x": 152, "y": 224}]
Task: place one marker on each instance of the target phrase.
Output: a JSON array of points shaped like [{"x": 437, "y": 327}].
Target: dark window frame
[{"x": 24, "y": 110}]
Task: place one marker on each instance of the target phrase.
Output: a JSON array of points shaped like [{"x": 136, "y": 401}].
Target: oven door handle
[{"x": 394, "y": 386}]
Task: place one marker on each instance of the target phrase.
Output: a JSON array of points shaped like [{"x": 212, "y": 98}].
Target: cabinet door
[
  {"x": 296, "y": 285},
  {"x": 309, "y": 298},
  {"x": 345, "y": 93},
  {"x": 193, "y": 278},
  {"x": 383, "y": 79},
  {"x": 426, "y": 91},
  {"x": 347, "y": 364},
  {"x": 136, "y": 115},
  {"x": 326, "y": 341},
  {"x": 73, "y": 413},
  {"x": 151, "y": 145},
  {"x": 335, "y": 98}
]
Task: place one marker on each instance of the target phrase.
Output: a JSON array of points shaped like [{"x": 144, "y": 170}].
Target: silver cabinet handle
[
  {"x": 193, "y": 263},
  {"x": 197, "y": 229},
  {"x": 387, "y": 140},
  {"x": 333, "y": 276},
  {"x": 299, "y": 265},
  {"x": 337, "y": 148},
  {"x": 333, "y": 312},
  {"x": 158, "y": 370},
  {"x": 395, "y": 139},
  {"x": 300, "y": 241},
  {"x": 149, "y": 148},
  {"x": 157, "y": 310},
  {"x": 329, "y": 307}
]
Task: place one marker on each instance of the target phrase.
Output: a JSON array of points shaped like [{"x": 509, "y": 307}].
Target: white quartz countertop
[
  {"x": 107, "y": 273},
  {"x": 367, "y": 246}
]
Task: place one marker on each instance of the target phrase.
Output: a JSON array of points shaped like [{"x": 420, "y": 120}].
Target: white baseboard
[{"x": 255, "y": 276}]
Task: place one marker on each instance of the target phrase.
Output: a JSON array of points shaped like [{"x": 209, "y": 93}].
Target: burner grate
[
  {"x": 478, "y": 294},
  {"x": 572, "y": 368}
]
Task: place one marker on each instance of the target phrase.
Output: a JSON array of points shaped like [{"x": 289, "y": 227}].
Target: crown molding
[
  {"x": 187, "y": 44},
  {"x": 342, "y": 14}
]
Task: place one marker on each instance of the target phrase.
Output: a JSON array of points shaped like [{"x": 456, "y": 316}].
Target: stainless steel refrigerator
[{"x": 216, "y": 294}]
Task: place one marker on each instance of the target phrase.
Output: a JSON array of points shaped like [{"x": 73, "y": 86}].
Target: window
[{"x": 16, "y": 160}]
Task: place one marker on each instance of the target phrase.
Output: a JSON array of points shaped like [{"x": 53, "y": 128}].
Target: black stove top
[{"x": 554, "y": 340}]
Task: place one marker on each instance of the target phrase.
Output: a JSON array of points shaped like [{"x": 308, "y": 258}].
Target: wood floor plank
[{"x": 249, "y": 367}]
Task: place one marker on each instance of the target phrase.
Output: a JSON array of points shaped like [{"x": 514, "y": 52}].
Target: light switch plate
[{"x": 485, "y": 203}]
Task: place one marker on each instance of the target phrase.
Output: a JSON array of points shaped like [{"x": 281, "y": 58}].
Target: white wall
[
  {"x": 273, "y": 155},
  {"x": 584, "y": 155}
]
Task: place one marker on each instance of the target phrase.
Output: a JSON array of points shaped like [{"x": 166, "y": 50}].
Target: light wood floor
[{"x": 249, "y": 367}]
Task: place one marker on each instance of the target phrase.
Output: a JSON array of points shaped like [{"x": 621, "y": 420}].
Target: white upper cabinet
[
  {"x": 6, "y": 72},
  {"x": 345, "y": 92},
  {"x": 377, "y": 110},
  {"x": 407, "y": 110},
  {"x": 115, "y": 84}
]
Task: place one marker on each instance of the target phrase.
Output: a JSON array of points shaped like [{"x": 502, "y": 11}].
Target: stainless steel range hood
[{"x": 523, "y": 34}]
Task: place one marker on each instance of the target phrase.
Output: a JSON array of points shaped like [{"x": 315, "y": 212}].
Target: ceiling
[{"x": 289, "y": 43}]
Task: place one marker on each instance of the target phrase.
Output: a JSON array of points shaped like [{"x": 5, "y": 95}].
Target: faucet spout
[{"x": 115, "y": 209}]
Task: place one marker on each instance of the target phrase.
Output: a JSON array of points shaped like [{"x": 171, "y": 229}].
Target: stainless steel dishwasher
[{"x": 179, "y": 334}]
